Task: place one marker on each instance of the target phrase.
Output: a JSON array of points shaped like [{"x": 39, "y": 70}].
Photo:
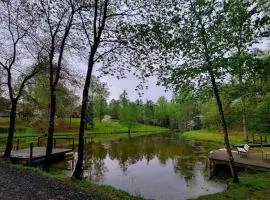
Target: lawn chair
[{"x": 243, "y": 151}]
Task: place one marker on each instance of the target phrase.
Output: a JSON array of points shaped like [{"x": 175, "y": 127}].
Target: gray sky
[{"x": 129, "y": 84}]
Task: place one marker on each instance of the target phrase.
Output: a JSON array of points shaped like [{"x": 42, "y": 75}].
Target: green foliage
[
  {"x": 114, "y": 108},
  {"x": 263, "y": 114},
  {"x": 128, "y": 115},
  {"x": 99, "y": 92},
  {"x": 252, "y": 186},
  {"x": 210, "y": 115},
  {"x": 36, "y": 100},
  {"x": 4, "y": 104}
]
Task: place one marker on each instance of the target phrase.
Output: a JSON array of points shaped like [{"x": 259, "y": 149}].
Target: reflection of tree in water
[
  {"x": 128, "y": 152},
  {"x": 198, "y": 183},
  {"x": 95, "y": 153},
  {"x": 185, "y": 166}
]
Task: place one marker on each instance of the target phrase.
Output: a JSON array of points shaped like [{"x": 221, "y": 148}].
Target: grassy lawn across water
[{"x": 104, "y": 130}]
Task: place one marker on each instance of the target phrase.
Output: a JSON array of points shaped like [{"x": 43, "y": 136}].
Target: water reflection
[{"x": 158, "y": 167}]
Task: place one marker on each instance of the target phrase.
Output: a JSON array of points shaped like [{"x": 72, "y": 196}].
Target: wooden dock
[
  {"x": 253, "y": 162},
  {"x": 38, "y": 154},
  {"x": 253, "y": 145}
]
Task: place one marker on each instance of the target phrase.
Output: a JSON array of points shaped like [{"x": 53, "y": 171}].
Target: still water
[{"x": 162, "y": 166}]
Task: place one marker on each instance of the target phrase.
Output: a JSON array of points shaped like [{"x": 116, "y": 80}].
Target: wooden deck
[
  {"x": 38, "y": 154},
  {"x": 220, "y": 156},
  {"x": 253, "y": 145}
]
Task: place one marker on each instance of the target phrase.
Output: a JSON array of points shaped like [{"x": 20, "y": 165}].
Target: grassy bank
[
  {"x": 66, "y": 127},
  {"x": 104, "y": 130},
  {"x": 252, "y": 186},
  {"x": 236, "y": 137}
]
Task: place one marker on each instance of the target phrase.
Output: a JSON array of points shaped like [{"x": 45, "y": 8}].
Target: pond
[{"x": 163, "y": 166}]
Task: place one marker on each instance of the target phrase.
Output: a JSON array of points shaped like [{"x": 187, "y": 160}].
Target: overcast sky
[
  {"x": 129, "y": 84},
  {"x": 152, "y": 93}
]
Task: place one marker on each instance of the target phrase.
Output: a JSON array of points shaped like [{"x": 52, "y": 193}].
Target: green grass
[
  {"x": 105, "y": 130},
  {"x": 97, "y": 191},
  {"x": 117, "y": 136},
  {"x": 114, "y": 127},
  {"x": 251, "y": 186},
  {"x": 214, "y": 136}
]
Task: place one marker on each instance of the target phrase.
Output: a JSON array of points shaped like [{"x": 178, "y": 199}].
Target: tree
[
  {"x": 161, "y": 112},
  {"x": 37, "y": 97},
  {"x": 16, "y": 23},
  {"x": 148, "y": 112},
  {"x": 114, "y": 108},
  {"x": 97, "y": 105},
  {"x": 99, "y": 94},
  {"x": 101, "y": 21},
  {"x": 128, "y": 116},
  {"x": 245, "y": 29},
  {"x": 189, "y": 42},
  {"x": 123, "y": 98},
  {"x": 57, "y": 19}
]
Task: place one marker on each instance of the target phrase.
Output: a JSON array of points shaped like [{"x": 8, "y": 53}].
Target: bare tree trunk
[
  {"x": 243, "y": 105},
  {"x": 11, "y": 129},
  {"x": 245, "y": 130},
  {"x": 129, "y": 133},
  {"x": 51, "y": 128},
  {"x": 78, "y": 172},
  {"x": 69, "y": 126},
  {"x": 225, "y": 129}
]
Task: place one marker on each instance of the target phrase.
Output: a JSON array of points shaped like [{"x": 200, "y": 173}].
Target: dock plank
[
  {"x": 220, "y": 156},
  {"x": 38, "y": 152}
]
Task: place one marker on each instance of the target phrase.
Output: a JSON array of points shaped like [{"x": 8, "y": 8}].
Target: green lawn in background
[
  {"x": 104, "y": 130},
  {"x": 235, "y": 137}
]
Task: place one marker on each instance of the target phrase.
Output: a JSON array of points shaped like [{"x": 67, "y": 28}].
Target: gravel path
[{"x": 24, "y": 184}]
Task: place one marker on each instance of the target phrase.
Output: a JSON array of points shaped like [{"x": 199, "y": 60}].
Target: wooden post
[
  {"x": 253, "y": 137},
  {"x": 31, "y": 152},
  {"x": 265, "y": 139},
  {"x": 73, "y": 144},
  {"x": 54, "y": 142},
  {"x": 261, "y": 141},
  {"x": 38, "y": 141},
  {"x": 18, "y": 142}
]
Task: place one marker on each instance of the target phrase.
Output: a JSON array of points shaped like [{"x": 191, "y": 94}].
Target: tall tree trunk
[
  {"x": 70, "y": 116},
  {"x": 78, "y": 172},
  {"x": 11, "y": 129},
  {"x": 51, "y": 128},
  {"x": 245, "y": 129},
  {"x": 243, "y": 105},
  {"x": 225, "y": 128},
  {"x": 129, "y": 133}
]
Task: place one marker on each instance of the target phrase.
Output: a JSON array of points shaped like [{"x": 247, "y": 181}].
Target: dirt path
[{"x": 24, "y": 184}]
